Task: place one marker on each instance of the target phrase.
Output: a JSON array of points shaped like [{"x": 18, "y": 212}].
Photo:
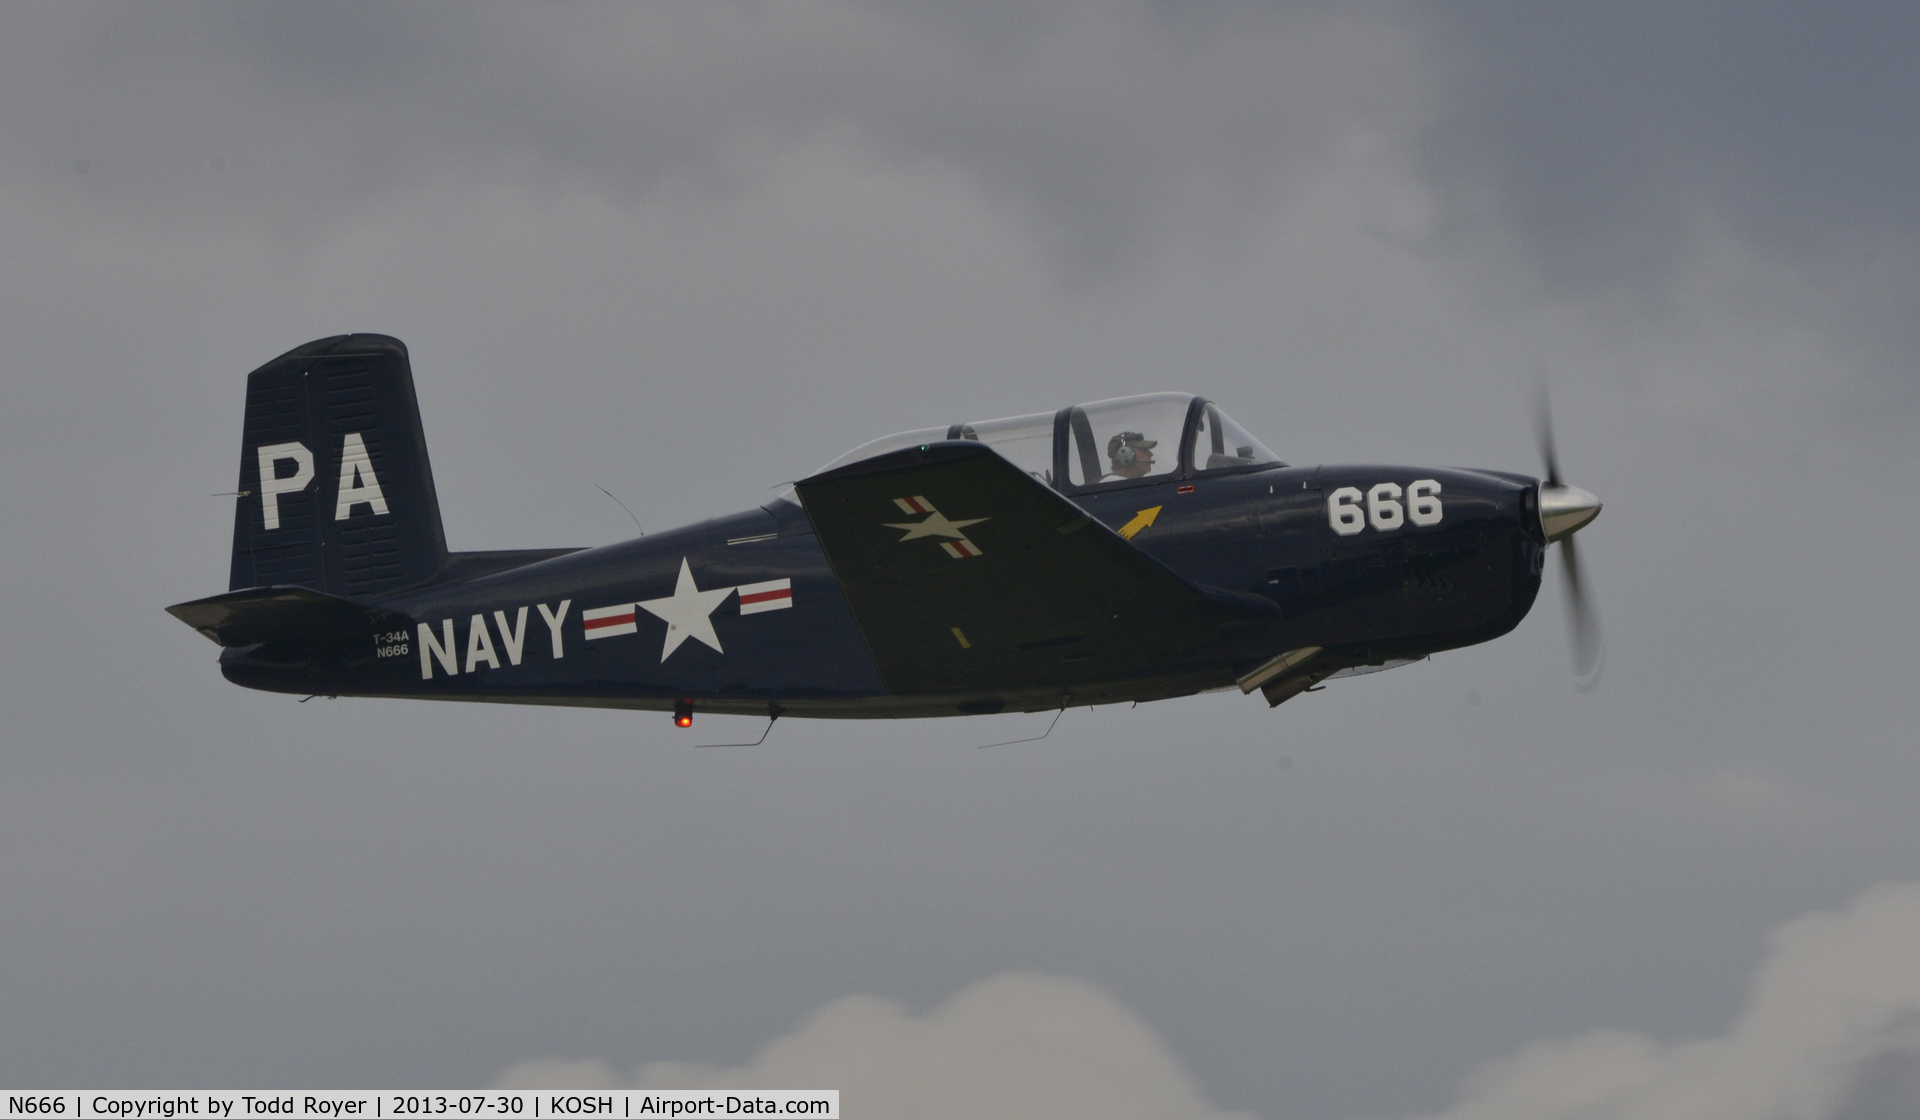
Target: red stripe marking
[
  {"x": 766, "y": 596},
  {"x": 918, "y": 505},
  {"x": 610, "y": 620}
]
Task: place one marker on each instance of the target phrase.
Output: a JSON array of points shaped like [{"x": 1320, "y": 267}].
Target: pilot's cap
[{"x": 1129, "y": 439}]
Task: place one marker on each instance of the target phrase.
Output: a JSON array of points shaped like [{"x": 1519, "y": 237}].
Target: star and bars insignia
[
  {"x": 688, "y": 611},
  {"x": 937, "y": 524}
]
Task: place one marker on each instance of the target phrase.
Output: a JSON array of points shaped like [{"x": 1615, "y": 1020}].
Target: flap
[{"x": 965, "y": 572}]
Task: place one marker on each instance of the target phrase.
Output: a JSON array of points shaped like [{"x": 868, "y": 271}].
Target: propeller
[{"x": 1564, "y": 510}]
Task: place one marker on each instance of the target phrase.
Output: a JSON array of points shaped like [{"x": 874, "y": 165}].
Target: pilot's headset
[{"x": 1124, "y": 449}]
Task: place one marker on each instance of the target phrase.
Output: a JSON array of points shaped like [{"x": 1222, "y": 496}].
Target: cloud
[
  {"x": 1598, "y": 129},
  {"x": 1015, "y": 1045},
  {"x": 1831, "y": 1031},
  {"x": 1106, "y": 124},
  {"x": 1599, "y": 148}
]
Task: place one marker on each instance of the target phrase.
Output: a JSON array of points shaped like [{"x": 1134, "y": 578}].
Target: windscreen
[{"x": 1224, "y": 445}]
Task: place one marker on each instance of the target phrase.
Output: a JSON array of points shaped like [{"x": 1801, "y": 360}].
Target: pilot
[{"x": 1131, "y": 455}]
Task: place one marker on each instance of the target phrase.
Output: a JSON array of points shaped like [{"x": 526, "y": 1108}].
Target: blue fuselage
[{"x": 700, "y": 614}]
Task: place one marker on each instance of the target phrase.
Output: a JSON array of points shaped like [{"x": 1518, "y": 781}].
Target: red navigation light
[{"x": 683, "y": 714}]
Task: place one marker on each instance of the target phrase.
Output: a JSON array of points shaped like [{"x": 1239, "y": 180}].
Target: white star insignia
[{"x": 688, "y": 612}]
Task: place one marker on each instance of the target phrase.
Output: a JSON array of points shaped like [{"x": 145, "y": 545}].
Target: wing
[{"x": 965, "y": 572}]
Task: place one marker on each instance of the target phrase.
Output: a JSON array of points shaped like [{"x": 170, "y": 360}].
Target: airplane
[{"x": 1134, "y": 549}]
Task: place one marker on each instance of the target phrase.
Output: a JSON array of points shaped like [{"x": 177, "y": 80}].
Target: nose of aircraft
[{"x": 1564, "y": 510}]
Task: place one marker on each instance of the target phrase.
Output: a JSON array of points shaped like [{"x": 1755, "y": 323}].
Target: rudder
[{"x": 335, "y": 491}]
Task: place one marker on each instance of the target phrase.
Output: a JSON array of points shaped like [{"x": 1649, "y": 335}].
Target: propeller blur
[{"x": 1564, "y": 511}]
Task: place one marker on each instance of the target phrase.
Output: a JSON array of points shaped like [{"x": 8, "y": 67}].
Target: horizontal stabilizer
[
  {"x": 966, "y": 572},
  {"x": 284, "y": 614}
]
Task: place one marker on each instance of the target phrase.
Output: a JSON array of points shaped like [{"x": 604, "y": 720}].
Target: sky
[{"x": 690, "y": 252}]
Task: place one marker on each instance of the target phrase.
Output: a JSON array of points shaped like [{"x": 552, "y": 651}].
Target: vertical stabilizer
[{"x": 335, "y": 491}]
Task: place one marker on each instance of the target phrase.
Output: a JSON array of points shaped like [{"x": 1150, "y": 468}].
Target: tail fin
[{"x": 335, "y": 490}]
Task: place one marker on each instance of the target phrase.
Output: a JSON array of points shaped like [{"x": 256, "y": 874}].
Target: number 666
[{"x": 1383, "y": 508}]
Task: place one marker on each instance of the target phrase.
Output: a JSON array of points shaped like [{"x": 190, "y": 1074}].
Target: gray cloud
[
  {"x": 1112, "y": 123},
  {"x": 1828, "y": 1033},
  {"x": 1772, "y": 112},
  {"x": 1016, "y": 1045},
  {"x": 1608, "y": 141},
  {"x": 1607, "y": 148},
  {"x": 1885, "y": 1087}
]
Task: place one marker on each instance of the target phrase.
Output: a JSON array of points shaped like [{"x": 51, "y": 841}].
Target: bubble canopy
[{"x": 1151, "y": 437}]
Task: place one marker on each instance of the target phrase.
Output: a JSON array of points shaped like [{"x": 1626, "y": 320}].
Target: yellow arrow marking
[{"x": 1140, "y": 521}]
